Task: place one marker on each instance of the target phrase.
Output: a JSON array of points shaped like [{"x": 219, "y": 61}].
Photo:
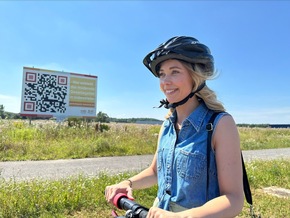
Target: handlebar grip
[
  {"x": 117, "y": 199},
  {"x": 122, "y": 202}
]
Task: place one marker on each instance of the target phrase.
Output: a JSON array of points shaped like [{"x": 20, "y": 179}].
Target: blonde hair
[{"x": 200, "y": 75}]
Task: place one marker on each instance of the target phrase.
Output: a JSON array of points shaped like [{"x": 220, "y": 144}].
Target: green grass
[
  {"x": 51, "y": 141},
  {"x": 72, "y": 197},
  {"x": 21, "y": 141},
  {"x": 83, "y": 196},
  {"x": 263, "y": 174},
  {"x": 264, "y": 138}
]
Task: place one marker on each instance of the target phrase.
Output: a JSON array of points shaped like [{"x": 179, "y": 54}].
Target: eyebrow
[{"x": 170, "y": 68}]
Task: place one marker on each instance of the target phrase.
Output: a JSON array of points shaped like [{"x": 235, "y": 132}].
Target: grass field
[
  {"x": 50, "y": 140},
  {"x": 83, "y": 196}
]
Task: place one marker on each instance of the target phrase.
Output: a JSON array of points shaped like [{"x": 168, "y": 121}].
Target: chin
[{"x": 171, "y": 100}]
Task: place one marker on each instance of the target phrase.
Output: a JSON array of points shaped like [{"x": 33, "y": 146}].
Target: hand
[
  {"x": 156, "y": 212},
  {"x": 113, "y": 190}
]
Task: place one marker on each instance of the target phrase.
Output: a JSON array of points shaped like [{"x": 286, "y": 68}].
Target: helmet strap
[{"x": 167, "y": 105}]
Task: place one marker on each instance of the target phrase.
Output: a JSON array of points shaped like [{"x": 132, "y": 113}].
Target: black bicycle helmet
[{"x": 182, "y": 48}]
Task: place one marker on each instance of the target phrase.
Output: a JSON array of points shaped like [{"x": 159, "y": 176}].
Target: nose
[{"x": 165, "y": 80}]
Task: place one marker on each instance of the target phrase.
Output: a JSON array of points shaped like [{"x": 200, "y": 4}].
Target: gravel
[{"x": 57, "y": 169}]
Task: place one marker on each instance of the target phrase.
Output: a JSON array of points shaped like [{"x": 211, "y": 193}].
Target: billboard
[{"x": 48, "y": 93}]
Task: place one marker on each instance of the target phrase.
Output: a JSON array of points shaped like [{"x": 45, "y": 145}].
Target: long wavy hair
[{"x": 199, "y": 75}]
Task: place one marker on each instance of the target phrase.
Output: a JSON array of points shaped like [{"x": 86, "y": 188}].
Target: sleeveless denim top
[{"x": 182, "y": 162}]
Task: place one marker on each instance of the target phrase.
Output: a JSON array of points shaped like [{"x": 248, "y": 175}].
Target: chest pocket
[{"x": 190, "y": 166}]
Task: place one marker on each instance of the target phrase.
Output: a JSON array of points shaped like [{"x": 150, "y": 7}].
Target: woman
[{"x": 186, "y": 187}]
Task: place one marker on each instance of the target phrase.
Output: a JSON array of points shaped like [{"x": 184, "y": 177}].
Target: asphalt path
[{"x": 58, "y": 169}]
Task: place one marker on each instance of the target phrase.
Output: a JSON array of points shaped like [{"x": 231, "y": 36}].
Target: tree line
[
  {"x": 8, "y": 115},
  {"x": 100, "y": 117},
  {"x": 104, "y": 118}
]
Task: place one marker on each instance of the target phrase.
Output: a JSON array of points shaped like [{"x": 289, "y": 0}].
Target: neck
[{"x": 183, "y": 111}]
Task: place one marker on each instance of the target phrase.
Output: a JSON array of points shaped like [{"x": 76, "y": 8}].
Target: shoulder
[
  {"x": 226, "y": 130},
  {"x": 226, "y": 121},
  {"x": 220, "y": 119}
]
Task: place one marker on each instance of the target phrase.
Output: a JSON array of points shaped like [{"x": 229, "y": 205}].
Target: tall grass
[
  {"x": 50, "y": 140},
  {"x": 264, "y": 138},
  {"x": 21, "y": 141}
]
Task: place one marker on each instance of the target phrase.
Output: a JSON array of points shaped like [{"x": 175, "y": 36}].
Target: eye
[
  {"x": 161, "y": 74},
  {"x": 175, "y": 72}
]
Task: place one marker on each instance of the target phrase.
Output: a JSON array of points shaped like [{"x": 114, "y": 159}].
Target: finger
[
  {"x": 112, "y": 194},
  {"x": 130, "y": 193},
  {"x": 109, "y": 194},
  {"x": 106, "y": 193},
  {"x": 150, "y": 214}
]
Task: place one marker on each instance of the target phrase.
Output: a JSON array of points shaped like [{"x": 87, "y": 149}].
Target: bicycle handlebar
[{"x": 122, "y": 202}]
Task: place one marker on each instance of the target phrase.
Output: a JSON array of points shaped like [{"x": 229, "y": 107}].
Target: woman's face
[{"x": 175, "y": 80}]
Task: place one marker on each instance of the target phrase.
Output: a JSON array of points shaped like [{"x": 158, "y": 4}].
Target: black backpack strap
[
  {"x": 247, "y": 189},
  {"x": 246, "y": 185},
  {"x": 209, "y": 128}
]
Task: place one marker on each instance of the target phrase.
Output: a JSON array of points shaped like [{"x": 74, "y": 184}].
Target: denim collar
[{"x": 195, "y": 119}]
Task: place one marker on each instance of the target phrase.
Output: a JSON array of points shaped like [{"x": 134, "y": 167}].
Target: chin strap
[{"x": 167, "y": 105}]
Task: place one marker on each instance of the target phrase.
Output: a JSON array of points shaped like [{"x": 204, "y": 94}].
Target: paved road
[{"x": 56, "y": 169}]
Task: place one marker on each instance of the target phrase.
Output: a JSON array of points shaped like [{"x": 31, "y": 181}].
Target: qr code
[{"x": 45, "y": 93}]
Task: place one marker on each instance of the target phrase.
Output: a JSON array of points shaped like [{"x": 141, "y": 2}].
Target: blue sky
[{"x": 250, "y": 41}]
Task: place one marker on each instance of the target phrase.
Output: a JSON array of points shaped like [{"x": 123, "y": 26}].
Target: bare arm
[{"x": 144, "y": 179}]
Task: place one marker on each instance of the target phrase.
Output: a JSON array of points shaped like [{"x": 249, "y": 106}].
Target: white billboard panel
[{"x": 48, "y": 93}]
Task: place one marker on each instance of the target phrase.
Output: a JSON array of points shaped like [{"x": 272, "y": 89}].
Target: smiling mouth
[{"x": 170, "y": 91}]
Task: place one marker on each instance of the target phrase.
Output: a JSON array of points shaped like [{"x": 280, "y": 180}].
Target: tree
[
  {"x": 102, "y": 117},
  {"x": 2, "y": 112}
]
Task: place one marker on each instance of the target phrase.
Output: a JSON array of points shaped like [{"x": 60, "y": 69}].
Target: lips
[{"x": 170, "y": 91}]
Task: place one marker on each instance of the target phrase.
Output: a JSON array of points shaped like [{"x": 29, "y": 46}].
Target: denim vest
[{"x": 182, "y": 162}]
